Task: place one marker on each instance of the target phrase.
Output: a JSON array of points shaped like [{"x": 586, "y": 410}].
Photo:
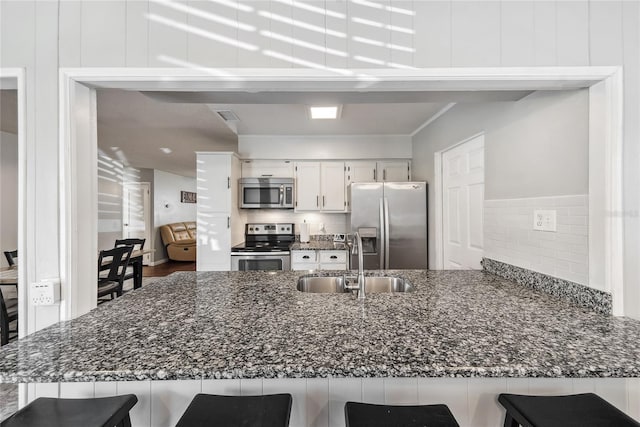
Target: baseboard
[{"x": 160, "y": 261}]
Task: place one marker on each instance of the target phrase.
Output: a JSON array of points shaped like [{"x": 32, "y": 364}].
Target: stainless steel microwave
[{"x": 266, "y": 193}]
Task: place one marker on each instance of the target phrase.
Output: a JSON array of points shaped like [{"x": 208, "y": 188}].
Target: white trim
[
  {"x": 160, "y": 261},
  {"x": 299, "y": 79},
  {"x": 614, "y": 226},
  {"x": 15, "y": 78},
  {"x": 439, "y": 205},
  {"x": 433, "y": 118}
]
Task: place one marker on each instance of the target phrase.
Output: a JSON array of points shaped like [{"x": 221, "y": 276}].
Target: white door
[
  {"x": 463, "y": 199},
  {"x": 332, "y": 184},
  {"x": 308, "y": 186},
  {"x": 136, "y": 215},
  {"x": 394, "y": 171}
]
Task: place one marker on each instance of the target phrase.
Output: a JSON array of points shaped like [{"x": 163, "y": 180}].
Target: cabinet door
[
  {"x": 214, "y": 182},
  {"x": 358, "y": 171},
  {"x": 394, "y": 171},
  {"x": 308, "y": 186},
  {"x": 214, "y": 242},
  {"x": 267, "y": 168},
  {"x": 332, "y": 184}
]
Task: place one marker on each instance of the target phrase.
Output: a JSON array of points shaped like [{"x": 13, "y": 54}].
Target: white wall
[
  {"x": 534, "y": 147},
  {"x": 110, "y": 179},
  {"x": 509, "y": 237},
  {"x": 167, "y": 207},
  {"x": 8, "y": 194},
  {"x": 324, "y": 147},
  {"x": 43, "y": 36}
]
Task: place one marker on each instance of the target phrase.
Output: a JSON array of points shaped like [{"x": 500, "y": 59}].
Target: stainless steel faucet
[{"x": 357, "y": 243}]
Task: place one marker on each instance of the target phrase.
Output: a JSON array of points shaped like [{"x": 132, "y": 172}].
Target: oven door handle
[{"x": 274, "y": 253}]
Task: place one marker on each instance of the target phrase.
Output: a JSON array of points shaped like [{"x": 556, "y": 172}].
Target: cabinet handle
[
  {"x": 228, "y": 182},
  {"x": 264, "y": 174},
  {"x": 228, "y": 222},
  {"x": 318, "y": 201},
  {"x": 305, "y": 257},
  {"x": 333, "y": 257},
  {"x": 374, "y": 174},
  {"x": 323, "y": 201},
  {"x": 384, "y": 174}
]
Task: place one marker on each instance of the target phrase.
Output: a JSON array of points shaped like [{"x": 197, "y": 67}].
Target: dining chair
[
  {"x": 11, "y": 257},
  {"x": 8, "y": 314},
  {"x": 138, "y": 244},
  {"x": 111, "y": 283}
]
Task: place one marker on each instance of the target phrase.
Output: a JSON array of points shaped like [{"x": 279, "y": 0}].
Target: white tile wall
[
  {"x": 333, "y": 222},
  {"x": 510, "y": 238},
  {"x": 319, "y": 402}
]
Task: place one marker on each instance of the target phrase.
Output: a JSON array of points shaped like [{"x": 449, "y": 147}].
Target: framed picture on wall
[{"x": 187, "y": 197}]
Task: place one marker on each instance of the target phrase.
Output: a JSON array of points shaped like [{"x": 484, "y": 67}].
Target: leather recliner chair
[{"x": 180, "y": 240}]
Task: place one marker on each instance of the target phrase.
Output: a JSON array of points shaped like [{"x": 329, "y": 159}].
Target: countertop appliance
[
  {"x": 266, "y": 193},
  {"x": 266, "y": 247},
  {"x": 391, "y": 218}
]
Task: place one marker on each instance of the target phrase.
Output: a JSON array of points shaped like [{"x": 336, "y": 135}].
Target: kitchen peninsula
[{"x": 460, "y": 338}]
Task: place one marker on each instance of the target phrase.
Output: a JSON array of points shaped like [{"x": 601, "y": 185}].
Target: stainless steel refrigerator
[{"x": 391, "y": 218}]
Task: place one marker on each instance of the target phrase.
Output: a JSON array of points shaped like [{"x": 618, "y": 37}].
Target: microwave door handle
[{"x": 282, "y": 195}]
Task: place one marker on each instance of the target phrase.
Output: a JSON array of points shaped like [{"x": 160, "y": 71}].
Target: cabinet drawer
[
  {"x": 333, "y": 256},
  {"x": 303, "y": 256}
]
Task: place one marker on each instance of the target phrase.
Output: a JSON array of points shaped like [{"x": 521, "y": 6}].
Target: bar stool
[
  {"x": 98, "y": 412},
  {"x": 272, "y": 410},
  {"x": 578, "y": 410},
  {"x": 370, "y": 415}
]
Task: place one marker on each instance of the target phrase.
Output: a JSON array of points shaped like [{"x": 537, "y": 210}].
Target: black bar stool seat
[
  {"x": 271, "y": 410},
  {"x": 370, "y": 415},
  {"x": 96, "y": 412},
  {"x": 577, "y": 410}
]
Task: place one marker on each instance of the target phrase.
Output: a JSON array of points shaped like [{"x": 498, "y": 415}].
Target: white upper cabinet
[
  {"x": 332, "y": 186},
  {"x": 307, "y": 186},
  {"x": 214, "y": 182},
  {"x": 320, "y": 186},
  {"x": 267, "y": 169},
  {"x": 394, "y": 171},
  {"x": 360, "y": 171}
]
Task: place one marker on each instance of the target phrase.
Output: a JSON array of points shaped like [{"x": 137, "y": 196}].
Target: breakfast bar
[{"x": 460, "y": 338}]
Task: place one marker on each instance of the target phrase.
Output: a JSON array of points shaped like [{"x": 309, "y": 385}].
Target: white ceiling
[{"x": 137, "y": 125}]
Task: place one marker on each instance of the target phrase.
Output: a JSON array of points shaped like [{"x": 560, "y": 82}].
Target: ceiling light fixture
[
  {"x": 326, "y": 112},
  {"x": 166, "y": 150}
]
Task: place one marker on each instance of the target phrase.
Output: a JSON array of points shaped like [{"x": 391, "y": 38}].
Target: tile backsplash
[
  {"x": 319, "y": 223},
  {"x": 510, "y": 237}
]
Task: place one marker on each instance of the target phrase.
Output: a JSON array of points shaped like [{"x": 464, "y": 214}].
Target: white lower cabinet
[{"x": 319, "y": 260}]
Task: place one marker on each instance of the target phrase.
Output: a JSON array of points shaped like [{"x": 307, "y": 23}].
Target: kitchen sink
[{"x": 336, "y": 284}]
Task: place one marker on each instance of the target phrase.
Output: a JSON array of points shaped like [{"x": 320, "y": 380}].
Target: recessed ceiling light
[
  {"x": 166, "y": 150},
  {"x": 325, "y": 112}
]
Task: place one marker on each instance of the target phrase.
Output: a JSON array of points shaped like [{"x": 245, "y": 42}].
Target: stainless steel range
[{"x": 266, "y": 247}]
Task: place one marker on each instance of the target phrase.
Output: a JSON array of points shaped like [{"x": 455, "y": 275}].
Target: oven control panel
[{"x": 285, "y": 228}]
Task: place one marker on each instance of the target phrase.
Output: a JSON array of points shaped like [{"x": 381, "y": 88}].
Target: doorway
[
  {"x": 462, "y": 204},
  {"x": 136, "y": 216},
  {"x": 78, "y": 95}
]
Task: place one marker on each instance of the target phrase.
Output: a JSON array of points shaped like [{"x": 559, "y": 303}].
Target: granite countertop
[
  {"x": 319, "y": 245},
  {"x": 257, "y": 325}
]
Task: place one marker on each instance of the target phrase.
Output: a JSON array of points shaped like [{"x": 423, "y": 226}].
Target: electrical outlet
[
  {"x": 45, "y": 292},
  {"x": 544, "y": 220}
]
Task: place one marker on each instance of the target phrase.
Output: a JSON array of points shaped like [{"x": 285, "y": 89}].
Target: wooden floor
[{"x": 167, "y": 268}]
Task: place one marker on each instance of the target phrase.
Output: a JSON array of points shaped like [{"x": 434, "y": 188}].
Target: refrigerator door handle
[
  {"x": 382, "y": 235},
  {"x": 386, "y": 233}
]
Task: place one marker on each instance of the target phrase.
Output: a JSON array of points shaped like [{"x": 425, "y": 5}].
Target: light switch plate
[{"x": 544, "y": 220}]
